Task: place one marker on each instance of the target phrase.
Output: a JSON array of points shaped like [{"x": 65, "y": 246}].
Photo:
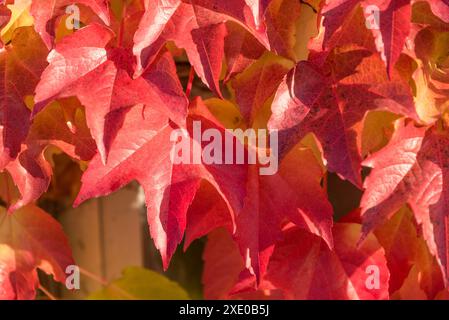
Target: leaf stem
[
  {"x": 325, "y": 183},
  {"x": 105, "y": 283},
  {"x": 47, "y": 292},
  {"x": 93, "y": 276}
]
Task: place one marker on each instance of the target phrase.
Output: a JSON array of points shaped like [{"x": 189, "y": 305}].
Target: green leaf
[{"x": 141, "y": 284}]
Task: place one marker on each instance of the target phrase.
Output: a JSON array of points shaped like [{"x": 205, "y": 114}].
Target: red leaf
[
  {"x": 30, "y": 170},
  {"x": 281, "y": 19},
  {"x": 440, "y": 8},
  {"x": 399, "y": 238},
  {"x": 63, "y": 124},
  {"x": 258, "y": 8},
  {"x": 258, "y": 83},
  {"x": 293, "y": 194},
  {"x": 333, "y": 106},
  {"x": 344, "y": 23},
  {"x": 23, "y": 61},
  {"x": 198, "y": 27},
  {"x": 222, "y": 266},
  {"x": 311, "y": 271},
  {"x": 207, "y": 212},
  {"x": 270, "y": 202},
  {"x": 43, "y": 11},
  {"x": 390, "y": 166},
  {"x": 241, "y": 49},
  {"x": 418, "y": 176},
  {"x": 5, "y": 15},
  {"x": 151, "y": 28},
  {"x": 30, "y": 239},
  {"x": 31, "y": 174},
  {"x": 202, "y": 36},
  {"x": 395, "y": 20},
  {"x": 99, "y": 77},
  {"x": 169, "y": 188}
]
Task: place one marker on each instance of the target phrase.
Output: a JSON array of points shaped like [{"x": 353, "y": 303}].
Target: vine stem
[
  {"x": 93, "y": 276},
  {"x": 190, "y": 82},
  {"x": 47, "y": 292},
  {"x": 105, "y": 283},
  {"x": 122, "y": 26}
]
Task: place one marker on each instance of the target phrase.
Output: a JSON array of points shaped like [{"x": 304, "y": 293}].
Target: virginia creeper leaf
[
  {"x": 312, "y": 271},
  {"x": 417, "y": 161},
  {"x": 333, "y": 106},
  {"x": 222, "y": 265},
  {"x": 257, "y": 83},
  {"x": 45, "y": 11},
  {"x": 61, "y": 125},
  {"x": 198, "y": 27},
  {"x": 30, "y": 239},
  {"x": 89, "y": 64},
  {"x": 169, "y": 188},
  {"x": 22, "y": 61}
]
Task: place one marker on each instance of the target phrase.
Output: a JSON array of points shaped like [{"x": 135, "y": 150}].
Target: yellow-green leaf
[{"x": 141, "y": 284}]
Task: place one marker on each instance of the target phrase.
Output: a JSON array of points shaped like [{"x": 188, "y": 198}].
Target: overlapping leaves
[{"x": 109, "y": 93}]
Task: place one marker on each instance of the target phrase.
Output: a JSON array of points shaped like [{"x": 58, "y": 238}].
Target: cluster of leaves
[{"x": 341, "y": 95}]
